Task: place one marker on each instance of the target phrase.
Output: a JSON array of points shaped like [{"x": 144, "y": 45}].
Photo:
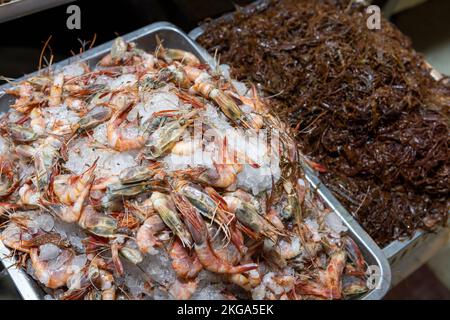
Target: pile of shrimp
[{"x": 100, "y": 198}]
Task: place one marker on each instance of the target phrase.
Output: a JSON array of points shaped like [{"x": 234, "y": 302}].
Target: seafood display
[
  {"x": 153, "y": 176},
  {"x": 361, "y": 102}
]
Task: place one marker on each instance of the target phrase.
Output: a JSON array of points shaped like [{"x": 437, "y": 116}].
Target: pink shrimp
[
  {"x": 202, "y": 246},
  {"x": 186, "y": 265}
]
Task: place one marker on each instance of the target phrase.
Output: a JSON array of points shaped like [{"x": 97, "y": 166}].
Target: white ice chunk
[
  {"x": 73, "y": 70},
  {"x": 45, "y": 222},
  {"x": 334, "y": 222},
  {"x": 48, "y": 251},
  {"x": 125, "y": 80},
  {"x": 313, "y": 226}
]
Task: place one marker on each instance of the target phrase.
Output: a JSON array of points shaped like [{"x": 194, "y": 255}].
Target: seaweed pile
[{"x": 362, "y": 102}]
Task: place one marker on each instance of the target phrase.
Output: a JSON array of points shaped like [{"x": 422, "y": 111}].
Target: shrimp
[
  {"x": 294, "y": 199},
  {"x": 202, "y": 246},
  {"x": 255, "y": 101},
  {"x": 86, "y": 216},
  {"x": 247, "y": 280},
  {"x": 168, "y": 213},
  {"x": 355, "y": 256},
  {"x": 170, "y": 55},
  {"x": 118, "y": 52},
  {"x": 22, "y": 134},
  {"x": 225, "y": 172},
  {"x": 352, "y": 285},
  {"x": 186, "y": 148},
  {"x": 274, "y": 217},
  {"x": 146, "y": 236},
  {"x": 103, "y": 281},
  {"x": 328, "y": 284},
  {"x": 162, "y": 140},
  {"x": 223, "y": 249},
  {"x": 204, "y": 203},
  {"x": 68, "y": 188},
  {"x": 16, "y": 237},
  {"x": 28, "y": 98},
  {"x": 52, "y": 275},
  {"x": 56, "y": 90},
  {"x": 226, "y": 103},
  {"x": 186, "y": 266},
  {"x": 76, "y": 105},
  {"x": 44, "y": 160},
  {"x": 8, "y": 177},
  {"x": 94, "y": 117},
  {"x": 22, "y": 233},
  {"x": 38, "y": 123},
  {"x": 72, "y": 214},
  {"x": 29, "y": 196},
  {"x": 248, "y": 215},
  {"x": 183, "y": 289},
  {"x": 97, "y": 223},
  {"x": 138, "y": 173},
  {"x": 274, "y": 286},
  {"x": 221, "y": 175},
  {"x": 116, "y": 140}
]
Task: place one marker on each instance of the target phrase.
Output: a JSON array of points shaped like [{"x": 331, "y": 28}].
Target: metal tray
[
  {"x": 174, "y": 38},
  {"x": 405, "y": 256},
  {"x": 19, "y": 8}
]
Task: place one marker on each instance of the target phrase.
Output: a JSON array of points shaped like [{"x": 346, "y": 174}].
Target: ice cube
[
  {"x": 48, "y": 251},
  {"x": 334, "y": 222},
  {"x": 45, "y": 222}
]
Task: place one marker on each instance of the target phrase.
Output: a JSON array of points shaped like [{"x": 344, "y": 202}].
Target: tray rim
[{"x": 25, "y": 284}]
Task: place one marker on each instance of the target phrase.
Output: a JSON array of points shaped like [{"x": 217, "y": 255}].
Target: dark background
[{"x": 23, "y": 39}]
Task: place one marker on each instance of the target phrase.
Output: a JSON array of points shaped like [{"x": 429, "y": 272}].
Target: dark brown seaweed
[{"x": 362, "y": 103}]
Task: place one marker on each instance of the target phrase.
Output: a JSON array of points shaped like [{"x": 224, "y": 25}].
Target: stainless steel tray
[
  {"x": 174, "y": 38},
  {"x": 404, "y": 256},
  {"x": 19, "y": 8}
]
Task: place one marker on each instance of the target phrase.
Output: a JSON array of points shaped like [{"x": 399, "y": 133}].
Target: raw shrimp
[
  {"x": 186, "y": 265},
  {"x": 116, "y": 138},
  {"x": 203, "y": 202},
  {"x": 274, "y": 287},
  {"x": 99, "y": 150},
  {"x": 16, "y": 237},
  {"x": 162, "y": 140},
  {"x": 52, "y": 274},
  {"x": 22, "y": 134},
  {"x": 94, "y": 117},
  {"x": 103, "y": 281},
  {"x": 146, "y": 238},
  {"x": 183, "y": 289},
  {"x": 329, "y": 284},
  {"x": 248, "y": 215},
  {"x": 29, "y": 195},
  {"x": 168, "y": 213},
  {"x": 76, "y": 105},
  {"x": 8, "y": 177},
  {"x": 56, "y": 90},
  {"x": 72, "y": 213},
  {"x": 44, "y": 160},
  {"x": 185, "y": 57},
  {"x": 199, "y": 232},
  {"x": 68, "y": 187},
  {"x": 247, "y": 280},
  {"x": 28, "y": 98}
]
